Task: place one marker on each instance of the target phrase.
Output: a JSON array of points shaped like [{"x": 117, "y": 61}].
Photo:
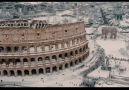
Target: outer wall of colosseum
[{"x": 27, "y": 51}]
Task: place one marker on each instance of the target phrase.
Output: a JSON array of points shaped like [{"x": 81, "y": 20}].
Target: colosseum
[{"x": 33, "y": 47}]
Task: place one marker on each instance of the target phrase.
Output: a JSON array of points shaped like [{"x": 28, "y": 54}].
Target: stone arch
[
  {"x": 16, "y": 49},
  {"x": 25, "y": 61},
  {"x": 80, "y": 60},
  {"x": 60, "y": 67},
  {"x": 33, "y": 71},
  {"x": 66, "y": 55},
  {"x": 24, "y": 49},
  {"x": 47, "y": 59},
  {"x": 8, "y": 49},
  {"x": 19, "y": 72},
  {"x": 1, "y": 49},
  {"x": 71, "y": 64},
  {"x": 12, "y": 73},
  {"x": 18, "y": 62},
  {"x": 11, "y": 62},
  {"x": 54, "y": 69},
  {"x": 40, "y": 60},
  {"x": 66, "y": 65},
  {"x": 60, "y": 57},
  {"x": 71, "y": 53},
  {"x": 26, "y": 72},
  {"x": 54, "y": 58},
  {"x": 32, "y": 60},
  {"x": 80, "y": 50},
  {"x": 48, "y": 70},
  {"x": 3, "y": 61},
  {"x": 40, "y": 71},
  {"x": 76, "y": 52},
  {"x": 76, "y": 62},
  {"x": 5, "y": 73}
]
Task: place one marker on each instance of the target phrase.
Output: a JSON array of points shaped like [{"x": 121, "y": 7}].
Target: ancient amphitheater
[{"x": 35, "y": 47}]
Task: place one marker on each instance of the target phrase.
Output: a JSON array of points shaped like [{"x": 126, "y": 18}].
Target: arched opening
[
  {"x": 9, "y": 49},
  {"x": 40, "y": 60},
  {"x": 47, "y": 59},
  {"x": 25, "y": 61},
  {"x": 54, "y": 58},
  {"x": 16, "y": 49},
  {"x": 47, "y": 70},
  {"x": 76, "y": 62},
  {"x": 76, "y": 52},
  {"x": 80, "y": 50},
  {"x": 71, "y": 63},
  {"x": 18, "y": 62},
  {"x": 80, "y": 60},
  {"x": 66, "y": 55},
  {"x": 32, "y": 60},
  {"x": 54, "y": 69},
  {"x": 24, "y": 49},
  {"x": 1, "y": 49},
  {"x": 3, "y": 62},
  {"x": 40, "y": 71},
  {"x": 10, "y": 62},
  {"x": 5, "y": 73},
  {"x": 26, "y": 72},
  {"x": 60, "y": 67},
  {"x": 33, "y": 72},
  {"x": 71, "y": 53},
  {"x": 60, "y": 57},
  {"x": 19, "y": 73},
  {"x": 66, "y": 65},
  {"x": 11, "y": 73}
]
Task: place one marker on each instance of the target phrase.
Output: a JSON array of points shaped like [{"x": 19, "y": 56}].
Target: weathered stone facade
[
  {"x": 109, "y": 30},
  {"x": 29, "y": 51}
]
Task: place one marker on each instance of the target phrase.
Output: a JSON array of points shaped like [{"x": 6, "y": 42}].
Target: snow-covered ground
[
  {"x": 101, "y": 83},
  {"x": 90, "y": 30},
  {"x": 99, "y": 73},
  {"x": 112, "y": 46}
]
